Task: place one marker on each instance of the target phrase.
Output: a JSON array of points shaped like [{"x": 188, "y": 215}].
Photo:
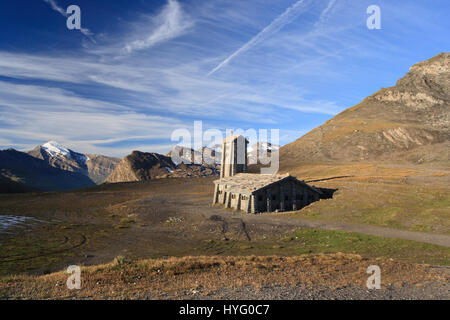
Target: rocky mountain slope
[
  {"x": 207, "y": 157},
  {"x": 35, "y": 173},
  {"x": 139, "y": 166},
  {"x": 142, "y": 166},
  {"x": 8, "y": 185},
  {"x": 212, "y": 157},
  {"x": 96, "y": 167},
  {"x": 99, "y": 167},
  {"x": 409, "y": 122}
]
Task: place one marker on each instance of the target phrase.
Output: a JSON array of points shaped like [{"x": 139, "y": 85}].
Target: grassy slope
[{"x": 413, "y": 198}]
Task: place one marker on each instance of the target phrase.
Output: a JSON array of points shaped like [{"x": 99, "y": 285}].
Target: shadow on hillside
[
  {"x": 326, "y": 179},
  {"x": 326, "y": 192}
]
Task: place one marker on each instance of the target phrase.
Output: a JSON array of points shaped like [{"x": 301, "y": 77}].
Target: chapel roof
[{"x": 249, "y": 183}]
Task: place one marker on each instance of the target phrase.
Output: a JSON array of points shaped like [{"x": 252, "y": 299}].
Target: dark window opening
[{"x": 260, "y": 198}]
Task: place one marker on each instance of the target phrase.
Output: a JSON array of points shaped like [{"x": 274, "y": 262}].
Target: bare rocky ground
[{"x": 434, "y": 291}]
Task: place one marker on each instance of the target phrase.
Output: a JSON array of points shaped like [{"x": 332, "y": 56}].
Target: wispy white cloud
[
  {"x": 36, "y": 113},
  {"x": 286, "y": 17},
  {"x": 160, "y": 83},
  {"x": 171, "y": 22},
  {"x": 88, "y": 33},
  {"x": 54, "y": 5},
  {"x": 31, "y": 97},
  {"x": 117, "y": 101},
  {"x": 191, "y": 93}
]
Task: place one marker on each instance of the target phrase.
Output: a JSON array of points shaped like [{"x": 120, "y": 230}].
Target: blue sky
[{"x": 140, "y": 69}]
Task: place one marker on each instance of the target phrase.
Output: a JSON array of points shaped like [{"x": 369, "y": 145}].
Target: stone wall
[
  {"x": 284, "y": 196},
  {"x": 234, "y": 157}
]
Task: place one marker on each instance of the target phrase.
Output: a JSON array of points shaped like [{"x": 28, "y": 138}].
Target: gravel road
[{"x": 434, "y": 291}]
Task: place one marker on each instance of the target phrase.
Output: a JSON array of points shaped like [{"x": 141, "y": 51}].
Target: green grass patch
[
  {"x": 388, "y": 205},
  {"x": 324, "y": 241},
  {"x": 315, "y": 241}
]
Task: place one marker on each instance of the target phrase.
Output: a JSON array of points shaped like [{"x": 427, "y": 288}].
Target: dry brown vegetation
[{"x": 202, "y": 276}]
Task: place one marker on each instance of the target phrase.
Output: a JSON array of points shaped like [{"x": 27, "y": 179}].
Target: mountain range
[
  {"x": 180, "y": 162},
  {"x": 50, "y": 167},
  {"x": 407, "y": 123},
  {"x": 209, "y": 157},
  {"x": 96, "y": 167},
  {"x": 259, "y": 149},
  {"x": 20, "y": 168},
  {"x": 142, "y": 166}
]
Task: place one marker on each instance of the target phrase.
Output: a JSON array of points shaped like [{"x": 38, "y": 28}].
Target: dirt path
[{"x": 438, "y": 239}]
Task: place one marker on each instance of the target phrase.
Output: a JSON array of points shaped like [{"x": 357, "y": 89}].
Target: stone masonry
[{"x": 256, "y": 193}]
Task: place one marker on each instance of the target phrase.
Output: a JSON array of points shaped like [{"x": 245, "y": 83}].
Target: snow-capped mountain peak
[
  {"x": 269, "y": 146},
  {"x": 263, "y": 146},
  {"x": 54, "y": 149}
]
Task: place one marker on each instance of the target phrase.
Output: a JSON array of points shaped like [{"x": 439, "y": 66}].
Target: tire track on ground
[{"x": 82, "y": 242}]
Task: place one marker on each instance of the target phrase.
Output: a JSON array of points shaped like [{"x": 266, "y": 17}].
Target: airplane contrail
[
  {"x": 286, "y": 17},
  {"x": 325, "y": 12}
]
